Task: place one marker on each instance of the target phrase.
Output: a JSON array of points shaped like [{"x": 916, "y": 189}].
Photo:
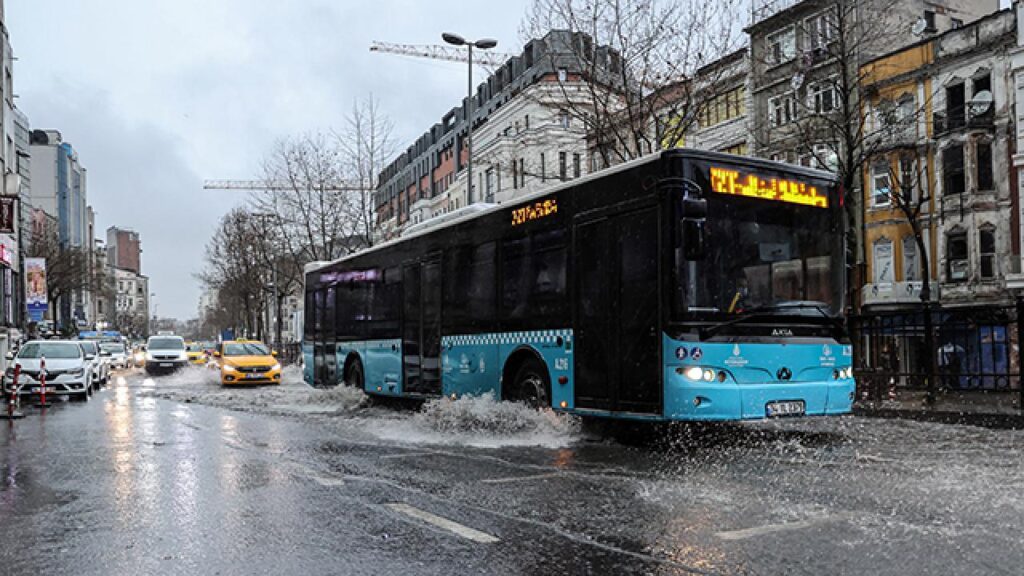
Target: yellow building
[{"x": 899, "y": 177}]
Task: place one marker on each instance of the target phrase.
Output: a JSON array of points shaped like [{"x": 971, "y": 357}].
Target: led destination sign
[
  {"x": 534, "y": 211},
  {"x": 726, "y": 181}
]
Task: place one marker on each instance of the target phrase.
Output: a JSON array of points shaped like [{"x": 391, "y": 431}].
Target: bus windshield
[{"x": 765, "y": 255}]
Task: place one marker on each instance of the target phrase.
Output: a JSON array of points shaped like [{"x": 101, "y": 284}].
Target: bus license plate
[{"x": 793, "y": 408}]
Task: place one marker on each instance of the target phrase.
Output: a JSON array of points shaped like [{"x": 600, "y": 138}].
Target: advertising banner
[
  {"x": 8, "y": 209},
  {"x": 35, "y": 291}
]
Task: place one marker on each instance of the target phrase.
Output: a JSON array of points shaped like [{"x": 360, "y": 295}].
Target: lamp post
[{"x": 483, "y": 44}]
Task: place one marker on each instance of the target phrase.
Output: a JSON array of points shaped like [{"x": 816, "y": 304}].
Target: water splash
[{"x": 482, "y": 421}]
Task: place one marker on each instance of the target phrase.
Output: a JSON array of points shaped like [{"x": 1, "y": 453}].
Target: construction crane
[
  {"x": 271, "y": 186},
  {"x": 486, "y": 58}
]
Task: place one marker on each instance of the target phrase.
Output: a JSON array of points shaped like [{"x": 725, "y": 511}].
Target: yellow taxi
[
  {"x": 196, "y": 353},
  {"x": 247, "y": 362}
]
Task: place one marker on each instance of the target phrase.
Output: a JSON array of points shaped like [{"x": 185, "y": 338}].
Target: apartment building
[{"x": 523, "y": 139}]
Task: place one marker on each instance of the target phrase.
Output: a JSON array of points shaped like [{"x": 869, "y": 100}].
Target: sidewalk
[{"x": 978, "y": 408}]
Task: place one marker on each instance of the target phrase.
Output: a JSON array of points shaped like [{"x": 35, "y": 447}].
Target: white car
[
  {"x": 118, "y": 354},
  {"x": 165, "y": 354},
  {"x": 100, "y": 363},
  {"x": 68, "y": 372}
]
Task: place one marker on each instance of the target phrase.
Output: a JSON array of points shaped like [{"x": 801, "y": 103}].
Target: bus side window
[
  {"x": 469, "y": 286},
  {"x": 534, "y": 274}
]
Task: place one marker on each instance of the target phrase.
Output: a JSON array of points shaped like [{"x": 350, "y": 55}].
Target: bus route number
[{"x": 534, "y": 211}]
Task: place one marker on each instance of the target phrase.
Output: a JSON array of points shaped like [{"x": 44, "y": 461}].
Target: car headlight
[
  {"x": 76, "y": 373},
  {"x": 276, "y": 366},
  {"x": 149, "y": 357},
  {"x": 229, "y": 368}
]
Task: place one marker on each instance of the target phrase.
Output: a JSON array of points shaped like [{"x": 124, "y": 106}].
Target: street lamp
[{"x": 483, "y": 44}]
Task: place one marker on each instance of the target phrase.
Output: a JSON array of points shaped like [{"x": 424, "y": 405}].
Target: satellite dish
[
  {"x": 919, "y": 27},
  {"x": 981, "y": 103},
  {"x": 797, "y": 81}
]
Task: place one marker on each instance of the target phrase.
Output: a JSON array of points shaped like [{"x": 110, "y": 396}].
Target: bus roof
[{"x": 684, "y": 152}]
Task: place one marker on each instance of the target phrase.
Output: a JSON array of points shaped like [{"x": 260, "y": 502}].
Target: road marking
[
  {"x": 406, "y": 455},
  {"x": 523, "y": 478},
  {"x": 328, "y": 481},
  {"x": 770, "y": 529},
  {"x": 444, "y": 523}
]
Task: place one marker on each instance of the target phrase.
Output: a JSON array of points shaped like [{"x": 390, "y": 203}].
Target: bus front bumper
[{"x": 686, "y": 400}]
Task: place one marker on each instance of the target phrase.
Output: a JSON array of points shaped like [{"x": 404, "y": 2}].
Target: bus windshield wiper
[{"x": 768, "y": 310}]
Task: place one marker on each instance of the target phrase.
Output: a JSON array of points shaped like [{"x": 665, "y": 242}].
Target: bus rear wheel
[
  {"x": 532, "y": 385},
  {"x": 354, "y": 374}
]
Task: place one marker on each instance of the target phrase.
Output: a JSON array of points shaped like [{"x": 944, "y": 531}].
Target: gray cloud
[{"x": 156, "y": 96}]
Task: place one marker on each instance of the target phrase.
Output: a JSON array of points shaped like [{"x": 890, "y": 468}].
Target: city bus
[{"x": 686, "y": 285}]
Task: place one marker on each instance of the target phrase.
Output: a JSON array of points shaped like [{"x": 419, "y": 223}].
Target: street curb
[{"x": 994, "y": 421}]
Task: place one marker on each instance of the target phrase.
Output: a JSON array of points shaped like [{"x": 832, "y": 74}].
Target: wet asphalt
[{"x": 130, "y": 483}]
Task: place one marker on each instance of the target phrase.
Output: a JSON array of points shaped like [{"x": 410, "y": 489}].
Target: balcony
[
  {"x": 764, "y": 9},
  {"x": 895, "y": 293},
  {"x": 944, "y": 122}
]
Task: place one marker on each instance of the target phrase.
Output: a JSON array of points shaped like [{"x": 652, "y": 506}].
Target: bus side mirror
[{"x": 694, "y": 247}]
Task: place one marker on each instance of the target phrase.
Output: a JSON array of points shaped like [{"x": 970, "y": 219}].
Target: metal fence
[{"x": 971, "y": 354}]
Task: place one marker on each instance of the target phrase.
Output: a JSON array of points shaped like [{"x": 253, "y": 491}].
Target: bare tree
[
  {"x": 367, "y": 143},
  {"x": 67, "y": 267},
  {"x": 823, "y": 121},
  {"x": 636, "y": 61}
]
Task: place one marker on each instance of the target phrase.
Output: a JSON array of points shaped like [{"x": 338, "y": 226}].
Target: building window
[
  {"x": 563, "y": 118},
  {"x": 515, "y": 175},
  {"x": 822, "y": 97},
  {"x": 882, "y": 262},
  {"x": 984, "y": 154},
  {"x": 782, "y": 109},
  {"x": 956, "y": 257},
  {"x": 563, "y": 75},
  {"x": 955, "y": 102},
  {"x": 987, "y": 250},
  {"x": 522, "y": 174},
  {"x": 781, "y": 46},
  {"x": 563, "y": 168},
  {"x": 953, "y": 181},
  {"x": 722, "y": 107},
  {"x": 908, "y": 177},
  {"x": 955, "y": 23},
  {"x": 489, "y": 183},
  {"x": 819, "y": 31},
  {"x": 881, "y": 184},
  {"x": 575, "y": 165},
  {"x": 737, "y": 149},
  {"x": 911, "y": 263}
]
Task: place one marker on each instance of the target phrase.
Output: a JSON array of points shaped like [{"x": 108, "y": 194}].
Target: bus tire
[
  {"x": 354, "y": 374},
  {"x": 531, "y": 384}
]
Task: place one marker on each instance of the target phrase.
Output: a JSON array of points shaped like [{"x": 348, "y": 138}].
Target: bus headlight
[
  {"x": 694, "y": 373},
  {"x": 709, "y": 375}
]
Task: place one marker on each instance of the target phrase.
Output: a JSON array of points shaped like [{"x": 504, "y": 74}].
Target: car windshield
[
  {"x": 50, "y": 350},
  {"x": 195, "y": 347},
  {"x": 247, "y": 349},
  {"x": 89, "y": 347},
  {"x": 112, "y": 347},
  {"x": 166, "y": 344}
]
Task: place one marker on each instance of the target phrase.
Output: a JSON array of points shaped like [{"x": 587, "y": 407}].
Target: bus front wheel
[{"x": 532, "y": 385}]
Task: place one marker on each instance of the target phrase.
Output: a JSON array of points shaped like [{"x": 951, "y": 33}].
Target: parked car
[
  {"x": 118, "y": 354},
  {"x": 247, "y": 362},
  {"x": 165, "y": 354},
  {"x": 68, "y": 372},
  {"x": 100, "y": 363}
]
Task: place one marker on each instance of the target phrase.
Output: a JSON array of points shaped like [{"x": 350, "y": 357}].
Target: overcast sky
[{"x": 157, "y": 95}]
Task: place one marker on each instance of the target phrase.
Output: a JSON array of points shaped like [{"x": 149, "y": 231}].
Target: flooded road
[{"x": 175, "y": 475}]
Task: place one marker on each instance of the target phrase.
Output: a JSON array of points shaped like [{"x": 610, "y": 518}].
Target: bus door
[
  {"x": 421, "y": 327},
  {"x": 617, "y": 342},
  {"x": 319, "y": 359},
  {"x": 330, "y": 337}
]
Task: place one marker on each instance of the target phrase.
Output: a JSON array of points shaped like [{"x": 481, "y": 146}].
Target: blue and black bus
[{"x": 686, "y": 285}]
